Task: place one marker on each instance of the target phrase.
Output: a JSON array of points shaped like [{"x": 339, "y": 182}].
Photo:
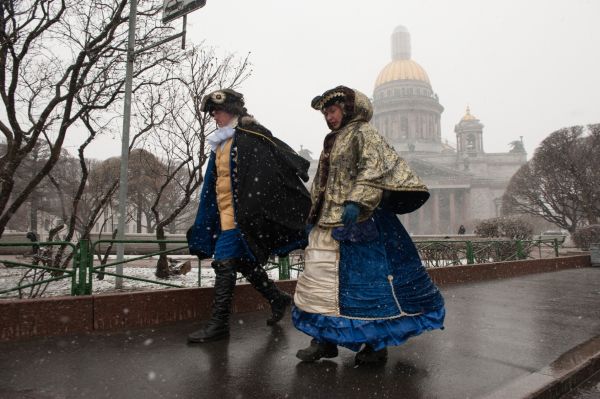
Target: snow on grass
[{"x": 145, "y": 269}]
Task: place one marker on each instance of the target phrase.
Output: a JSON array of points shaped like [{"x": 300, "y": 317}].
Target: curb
[{"x": 561, "y": 376}]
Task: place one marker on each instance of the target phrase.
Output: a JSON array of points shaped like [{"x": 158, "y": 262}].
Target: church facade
[{"x": 465, "y": 182}]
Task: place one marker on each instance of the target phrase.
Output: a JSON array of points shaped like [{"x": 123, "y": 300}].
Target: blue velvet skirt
[
  {"x": 353, "y": 333},
  {"x": 366, "y": 284}
]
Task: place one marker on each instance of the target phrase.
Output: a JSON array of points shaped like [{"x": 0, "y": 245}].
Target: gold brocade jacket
[{"x": 361, "y": 165}]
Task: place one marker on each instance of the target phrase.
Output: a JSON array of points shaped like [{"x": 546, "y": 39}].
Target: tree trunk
[
  {"x": 162, "y": 266},
  {"x": 150, "y": 223},
  {"x": 139, "y": 218},
  {"x": 33, "y": 212}
]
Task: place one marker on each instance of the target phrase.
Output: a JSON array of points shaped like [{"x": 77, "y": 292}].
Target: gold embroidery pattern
[{"x": 362, "y": 165}]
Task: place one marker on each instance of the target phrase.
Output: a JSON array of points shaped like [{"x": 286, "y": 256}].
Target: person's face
[
  {"x": 333, "y": 116},
  {"x": 222, "y": 118}
]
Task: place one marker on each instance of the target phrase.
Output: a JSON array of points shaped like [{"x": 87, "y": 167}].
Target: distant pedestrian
[
  {"x": 252, "y": 203},
  {"x": 461, "y": 230},
  {"x": 364, "y": 286}
]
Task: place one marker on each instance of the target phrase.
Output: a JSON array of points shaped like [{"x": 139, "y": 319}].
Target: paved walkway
[{"x": 497, "y": 332}]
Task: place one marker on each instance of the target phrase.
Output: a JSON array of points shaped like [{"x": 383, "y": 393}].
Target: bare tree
[
  {"x": 168, "y": 123},
  {"x": 62, "y": 65},
  {"x": 559, "y": 183},
  {"x": 145, "y": 172},
  {"x": 48, "y": 195}
]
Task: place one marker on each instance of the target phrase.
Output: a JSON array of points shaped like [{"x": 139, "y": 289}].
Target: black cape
[{"x": 271, "y": 202}]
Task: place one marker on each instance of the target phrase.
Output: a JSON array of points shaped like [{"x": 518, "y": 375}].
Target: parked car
[{"x": 552, "y": 234}]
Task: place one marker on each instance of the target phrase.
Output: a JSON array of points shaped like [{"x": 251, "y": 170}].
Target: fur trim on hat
[{"x": 341, "y": 95}]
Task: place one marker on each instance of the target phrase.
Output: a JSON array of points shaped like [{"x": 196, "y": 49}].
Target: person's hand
[{"x": 350, "y": 214}]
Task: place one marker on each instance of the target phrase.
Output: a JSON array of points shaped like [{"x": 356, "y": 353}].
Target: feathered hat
[{"x": 227, "y": 100}]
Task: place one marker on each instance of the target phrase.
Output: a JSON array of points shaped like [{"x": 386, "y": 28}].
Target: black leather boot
[
  {"x": 279, "y": 300},
  {"x": 369, "y": 356},
  {"x": 278, "y": 307},
  {"x": 317, "y": 350},
  {"x": 218, "y": 325}
]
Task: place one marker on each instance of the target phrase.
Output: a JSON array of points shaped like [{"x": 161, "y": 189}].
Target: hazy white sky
[{"x": 526, "y": 68}]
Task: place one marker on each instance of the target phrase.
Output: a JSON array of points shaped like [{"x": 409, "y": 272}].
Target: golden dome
[
  {"x": 468, "y": 116},
  {"x": 402, "y": 70}
]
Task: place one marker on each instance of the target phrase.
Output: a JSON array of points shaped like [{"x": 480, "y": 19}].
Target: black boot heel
[
  {"x": 369, "y": 356},
  {"x": 218, "y": 325},
  {"x": 278, "y": 308},
  {"x": 317, "y": 350}
]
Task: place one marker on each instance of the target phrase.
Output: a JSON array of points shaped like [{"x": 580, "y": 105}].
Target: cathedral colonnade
[{"x": 443, "y": 213}]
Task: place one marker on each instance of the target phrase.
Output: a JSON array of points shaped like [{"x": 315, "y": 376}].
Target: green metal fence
[
  {"x": 282, "y": 264},
  {"x": 40, "y": 270},
  {"x": 456, "y": 252},
  {"x": 95, "y": 248},
  {"x": 433, "y": 253},
  {"x": 286, "y": 265}
]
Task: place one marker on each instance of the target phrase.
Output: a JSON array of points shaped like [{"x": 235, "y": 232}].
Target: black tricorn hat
[{"x": 224, "y": 99}]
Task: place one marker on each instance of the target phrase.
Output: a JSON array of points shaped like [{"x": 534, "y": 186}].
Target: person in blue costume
[
  {"x": 253, "y": 203},
  {"x": 364, "y": 286}
]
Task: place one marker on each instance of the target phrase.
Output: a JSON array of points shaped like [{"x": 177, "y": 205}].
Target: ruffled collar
[{"x": 221, "y": 135}]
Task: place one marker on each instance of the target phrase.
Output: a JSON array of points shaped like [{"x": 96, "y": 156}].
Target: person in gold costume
[
  {"x": 364, "y": 286},
  {"x": 252, "y": 204}
]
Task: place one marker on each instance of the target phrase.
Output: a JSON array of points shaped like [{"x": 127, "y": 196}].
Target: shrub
[
  {"x": 587, "y": 235},
  {"x": 511, "y": 227},
  {"x": 516, "y": 228},
  {"x": 488, "y": 228},
  {"x": 504, "y": 228}
]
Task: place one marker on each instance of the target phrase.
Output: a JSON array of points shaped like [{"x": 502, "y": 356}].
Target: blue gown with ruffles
[{"x": 385, "y": 294}]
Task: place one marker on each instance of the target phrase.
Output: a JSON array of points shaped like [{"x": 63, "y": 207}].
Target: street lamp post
[{"x": 180, "y": 8}]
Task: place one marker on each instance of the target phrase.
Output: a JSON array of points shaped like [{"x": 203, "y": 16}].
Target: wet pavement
[{"x": 497, "y": 333}]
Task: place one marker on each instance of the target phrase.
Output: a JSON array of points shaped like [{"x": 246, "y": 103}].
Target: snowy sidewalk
[{"x": 497, "y": 332}]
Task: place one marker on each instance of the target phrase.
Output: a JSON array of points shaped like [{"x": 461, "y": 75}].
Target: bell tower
[{"x": 469, "y": 135}]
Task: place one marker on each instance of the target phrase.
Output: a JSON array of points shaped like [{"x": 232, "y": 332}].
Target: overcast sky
[{"x": 526, "y": 68}]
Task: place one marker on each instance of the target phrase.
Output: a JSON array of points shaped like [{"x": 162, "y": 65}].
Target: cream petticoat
[{"x": 318, "y": 286}]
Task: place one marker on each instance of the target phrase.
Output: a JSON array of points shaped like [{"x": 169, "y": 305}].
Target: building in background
[{"x": 465, "y": 182}]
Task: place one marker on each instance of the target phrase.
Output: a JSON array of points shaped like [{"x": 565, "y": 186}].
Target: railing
[
  {"x": 101, "y": 270},
  {"x": 281, "y": 263},
  {"x": 455, "y": 252},
  {"x": 287, "y": 264},
  {"x": 40, "y": 272},
  {"x": 441, "y": 253}
]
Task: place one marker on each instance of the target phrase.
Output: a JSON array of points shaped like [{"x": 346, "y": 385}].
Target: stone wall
[{"x": 21, "y": 319}]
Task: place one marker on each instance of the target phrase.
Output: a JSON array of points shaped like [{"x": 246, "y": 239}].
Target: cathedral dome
[
  {"x": 402, "y": 69},
  {"x": 468, "y": 116}
]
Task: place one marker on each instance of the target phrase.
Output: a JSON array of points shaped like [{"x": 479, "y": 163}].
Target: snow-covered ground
[{"x": 10, "y": 276}]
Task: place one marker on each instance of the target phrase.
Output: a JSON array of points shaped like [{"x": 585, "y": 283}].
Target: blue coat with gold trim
[{"x": 270, "y": 201}]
